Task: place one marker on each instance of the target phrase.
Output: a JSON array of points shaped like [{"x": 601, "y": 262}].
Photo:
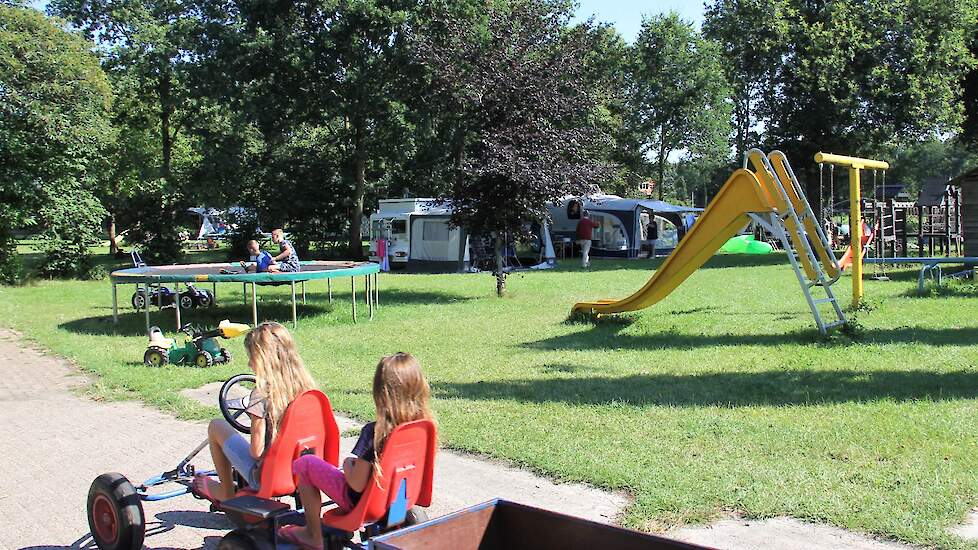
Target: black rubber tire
[
  {"x": 203, "y": 360},
  {"x": 149, "y": 357},
  {"x": 205, "y": 298},
  {"x": 415, "y": 516},
  {"x": 222, "y": 401},
  {"x": 225, "y": 356},
  {"x": 236, "y": 540},
  {"x": 187, "y": 301},
  {"x": 138, "y": 300},
  {"x": 121, "y": 524}
]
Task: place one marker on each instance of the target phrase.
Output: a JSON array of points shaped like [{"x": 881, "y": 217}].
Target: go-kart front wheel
[
  {"x": 156, "y": 356},
  {"x": 205, "y": 298},
  {"x": 187, "y": 301},
  {"x": 115, "y": 513},
  {"x": 139, "y": 300},
  {"x": 236, "y": 540}
]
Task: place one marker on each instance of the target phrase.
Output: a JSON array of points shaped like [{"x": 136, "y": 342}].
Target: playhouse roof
[{"x": 933, "y": 190}]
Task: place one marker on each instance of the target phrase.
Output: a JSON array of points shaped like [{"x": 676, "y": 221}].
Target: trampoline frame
[{"x": 145, "y": 277}]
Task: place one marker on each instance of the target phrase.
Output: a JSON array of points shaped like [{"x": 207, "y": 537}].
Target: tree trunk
[
  {"x": 459, "y": 153},
  {"x": 360, "y": 189},
  {"x": 113, "y": 246},
  {"x": 166, "y": 138},
  {"x": 662, "y": 160},
  {"x": 500, "y": 272}
]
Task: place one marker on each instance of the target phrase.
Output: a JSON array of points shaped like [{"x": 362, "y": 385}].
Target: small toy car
[
  {"x": 163, "y": 297},
  {"x": 200, "y": 349}
]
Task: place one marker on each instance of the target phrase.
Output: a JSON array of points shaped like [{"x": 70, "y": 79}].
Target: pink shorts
[{"x": 329, "y": 479}]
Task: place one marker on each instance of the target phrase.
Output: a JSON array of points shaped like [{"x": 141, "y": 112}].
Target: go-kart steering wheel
[{"x": 233, "y": 400}]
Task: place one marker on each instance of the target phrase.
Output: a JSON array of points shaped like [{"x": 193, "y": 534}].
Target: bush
[
  {"x": 65, "y": 259},
  {"x": 155, "y": 214},
  {"x": 245, "y": 229},
  {"x": 11, "y": 266}
]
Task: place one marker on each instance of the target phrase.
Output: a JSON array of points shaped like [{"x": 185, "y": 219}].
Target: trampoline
[{"x": 233, "y": 273}]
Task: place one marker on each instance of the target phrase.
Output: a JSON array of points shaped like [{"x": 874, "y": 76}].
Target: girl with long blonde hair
[
  {"x": 280, "y": 376},
  {"x": 401, "y": 394}
]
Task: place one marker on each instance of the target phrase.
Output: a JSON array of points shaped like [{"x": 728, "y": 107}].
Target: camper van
[
  {"x": 418, "y": 233},
  {"x": 622, "y": 223}
]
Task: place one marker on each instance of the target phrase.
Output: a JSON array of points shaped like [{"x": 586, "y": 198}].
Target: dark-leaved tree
[{"x": 511, "y": 81}]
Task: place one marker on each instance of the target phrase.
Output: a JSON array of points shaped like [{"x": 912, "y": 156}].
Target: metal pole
[
  {"x": 176, "y": 302},
  {"x": 145, "y": 304},
  {"x": 376, "y": 290},
  {"x": 115, "y": 304},
  {"x": 215, "y": 291},
  {"x": 370, "y": 296},
  {"x": 366, "y": 290},
  {"x": 353, "y": 296},
  {"x": 856, "y": 236},
  {"x": 254, "y": 306},
  {"x": 303, "y": 292},
  {"x": 295, "y": 322},
  {"x": 244, "y": 293},
  {"x": 329, "y": 287}
]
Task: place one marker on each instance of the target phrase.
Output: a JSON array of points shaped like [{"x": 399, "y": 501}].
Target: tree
[
  {"x": 860, "y": 75},
  {"x": 510, "y": 79},
  {"x": 752, "y": 36},
  {"x": 330, "y": 68},
  {"x": 54, "y": 128},
  {"x": 679, "y": 92},
  {"x": 144, "y": 45}
]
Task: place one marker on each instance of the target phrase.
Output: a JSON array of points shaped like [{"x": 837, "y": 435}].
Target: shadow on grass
[
  {"x": 725, "y": 389},
  {"x": 133, "y": 322},
  {"x": 607, "y": 337},
  {"x": 645, "y": 264}
]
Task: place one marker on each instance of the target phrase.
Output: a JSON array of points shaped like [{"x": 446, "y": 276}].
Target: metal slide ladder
[{"x": 797, "y": 242}]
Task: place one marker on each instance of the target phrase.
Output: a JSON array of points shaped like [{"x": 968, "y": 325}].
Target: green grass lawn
[{"x": 721, "y": 398}]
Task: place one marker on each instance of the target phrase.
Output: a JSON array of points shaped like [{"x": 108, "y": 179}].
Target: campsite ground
[{"x": 721, "y": 398}]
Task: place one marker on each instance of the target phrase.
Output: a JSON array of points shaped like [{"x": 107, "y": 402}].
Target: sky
[{"x": 626, "y": 15}]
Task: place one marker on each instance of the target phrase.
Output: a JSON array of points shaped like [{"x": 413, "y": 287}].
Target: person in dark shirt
[
  {"x": 401, "y": 395},
  {"x": 585, "y": 234}
]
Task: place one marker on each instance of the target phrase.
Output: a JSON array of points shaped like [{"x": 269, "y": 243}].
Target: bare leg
[
  {"x": 312, "y": 504},
  {"x": 218, "y": 431}
]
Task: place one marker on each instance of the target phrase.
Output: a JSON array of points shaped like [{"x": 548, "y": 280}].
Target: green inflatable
[{"x": 745, "y": 244}]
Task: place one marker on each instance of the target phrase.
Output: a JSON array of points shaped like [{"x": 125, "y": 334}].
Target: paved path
[{"x": 53, "y": 443}]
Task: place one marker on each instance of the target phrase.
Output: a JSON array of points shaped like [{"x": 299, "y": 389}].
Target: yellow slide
[{"x": 723, "y": 218}]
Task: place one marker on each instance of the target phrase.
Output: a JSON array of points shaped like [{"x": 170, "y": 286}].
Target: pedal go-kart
[
  {"x": 115, "y": 506},
  {"x": 163, "y": 297},
  {"x": 200, "y": 348}
]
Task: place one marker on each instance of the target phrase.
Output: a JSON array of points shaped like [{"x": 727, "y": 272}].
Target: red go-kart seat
[
  {"x": 308, "y": 427},
  {"x": 408, "y": 461}
]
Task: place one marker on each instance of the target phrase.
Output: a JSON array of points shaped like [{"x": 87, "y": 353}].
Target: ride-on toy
[
  {"x": 162, "y": 297},
  {"x": 200, "y": 349},
  {"x": 115, "y": 506}
]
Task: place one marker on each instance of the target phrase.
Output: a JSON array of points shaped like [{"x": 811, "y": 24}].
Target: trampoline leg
[
  {"x": 214, "y": 293},
  {"x": 244, "y": 293},
  {"x": 295, "y": 322},
  {"x": 353, "y": 296},
  {"x": 370, "y": 296},
  {"x": 376, "y": 290},
  {"x": 366, "y": 290},
  {"x": 115, "y": 304},
  {"x": 254, "y": 306},
  {"x": 329, "y": 288},
  {"x": 176, "y": 302},
  {"x": 146, "y": 306},
  {"x": 303, "y": 292}
]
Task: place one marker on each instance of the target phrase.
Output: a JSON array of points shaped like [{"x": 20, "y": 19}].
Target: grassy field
[{"x": 721, "y": 398}]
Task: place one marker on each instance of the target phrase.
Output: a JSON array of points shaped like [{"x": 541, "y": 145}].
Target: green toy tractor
[{"x": 199, "y": 349}]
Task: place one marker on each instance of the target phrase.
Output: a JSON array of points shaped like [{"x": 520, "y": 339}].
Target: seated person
[
  {"x": 280, "y": 377},
  {"x": 264, "y": 263},
  {"x": 401, "y": 394},
  {"x": 288, "y": 258}
]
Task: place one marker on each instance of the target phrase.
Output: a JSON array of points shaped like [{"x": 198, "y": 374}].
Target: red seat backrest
[
  {"x": 308, "y": 427},
  {"x": 409, "y": 454}
]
